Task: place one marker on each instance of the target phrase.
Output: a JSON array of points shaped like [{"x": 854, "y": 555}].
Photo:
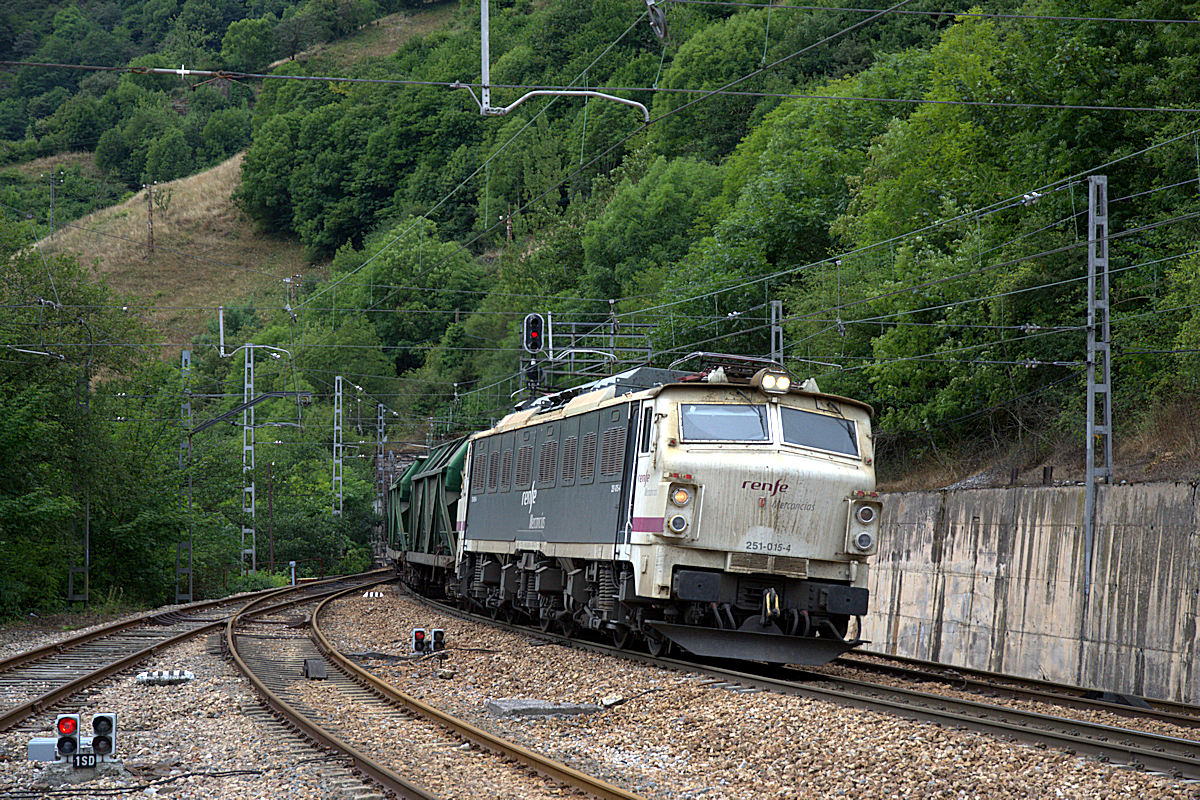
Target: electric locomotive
[{"x": 724, "y": 511}]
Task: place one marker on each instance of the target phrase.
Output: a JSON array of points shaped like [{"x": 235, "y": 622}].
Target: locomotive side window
[
  {"x": 819, "y": 431},
  {"x": 707, "y": 422},
  {"x": 647, "y": 422}
]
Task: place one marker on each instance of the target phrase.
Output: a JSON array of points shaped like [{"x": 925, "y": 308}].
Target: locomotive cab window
[
  {"x": 647, "y": 425},
  {"x": 819, "y": 431},
  {"x": 708, "y": 422}
]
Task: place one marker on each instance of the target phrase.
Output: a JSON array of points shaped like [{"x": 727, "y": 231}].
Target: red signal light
[{"x": 68, "y": 725}]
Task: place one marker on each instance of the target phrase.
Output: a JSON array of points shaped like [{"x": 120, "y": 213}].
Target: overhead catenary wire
[
  {"x": 725, "y": 90},
  {"x": 486, "y": 161},
  {"x": 442, "y": 312},
  {"x": 710, "y": 93},
  {"x": 941, "y": 13}
]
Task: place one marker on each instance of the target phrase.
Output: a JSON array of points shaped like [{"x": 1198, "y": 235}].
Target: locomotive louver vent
[
  {"x": 548, "y": 462},
  {"x": 587, "y": 461},
  {"x": 506, "y": 471},
  {"x": 493, "y": 471},
  {"x": 524, "y": 465},
  {"x": 478, "y": 473},
  {"x": 757, "y": 562},
  {"x": 612, "y": 448},
  {"x": 568, "y": 467}
]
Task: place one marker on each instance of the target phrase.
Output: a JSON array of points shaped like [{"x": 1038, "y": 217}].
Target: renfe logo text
[{"x": 761, "y": 486}]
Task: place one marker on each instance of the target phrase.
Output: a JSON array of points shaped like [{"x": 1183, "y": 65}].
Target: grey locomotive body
[{"x": 731, "y": 517}]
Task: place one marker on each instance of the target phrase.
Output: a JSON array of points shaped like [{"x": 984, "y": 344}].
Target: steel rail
[
  {"x": 543, "y": 765},
  {"x": 1176, "y": 713},
  {"x": 55, "y": 648},
  {"x": 1165, "y": 754},
  {"x": 378, "y": 772},
  {"x": 16, "y": 714}
]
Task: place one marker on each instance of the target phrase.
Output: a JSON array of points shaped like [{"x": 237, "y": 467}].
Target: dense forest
[{"x": 912, "y": 186}]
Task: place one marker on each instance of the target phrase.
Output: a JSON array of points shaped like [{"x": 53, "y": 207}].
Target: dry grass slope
[{"x": 206, "y": 252}]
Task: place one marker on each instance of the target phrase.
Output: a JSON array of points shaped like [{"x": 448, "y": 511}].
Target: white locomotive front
[{"x": 723, "y": 511}]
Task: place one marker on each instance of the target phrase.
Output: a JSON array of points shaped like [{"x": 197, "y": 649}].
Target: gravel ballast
[
  {"x": 674, "y": 737},
  {"x": 660, "y": 733}
]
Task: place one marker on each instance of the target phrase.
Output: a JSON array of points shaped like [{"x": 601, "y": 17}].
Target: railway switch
[
  {"x": 104, "y": 733},
  {"x": 66, "y": 728}
]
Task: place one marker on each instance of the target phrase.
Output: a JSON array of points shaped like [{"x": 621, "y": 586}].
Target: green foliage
[
  {"x": 249, "y": 44},
  {"x": 645, "y": 228}
]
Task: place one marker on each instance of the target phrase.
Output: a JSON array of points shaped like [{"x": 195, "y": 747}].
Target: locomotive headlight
[
  {"x": 773, "y": 382},
  {"x": 865, "y": 515},
  {"x": 864, "y": 541},
  {"x": 677, "y": 524},
  {"x": 681, "y": 496}
]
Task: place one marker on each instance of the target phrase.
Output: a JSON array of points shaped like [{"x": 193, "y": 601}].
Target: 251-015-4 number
[{"x": 768, "y": 547}]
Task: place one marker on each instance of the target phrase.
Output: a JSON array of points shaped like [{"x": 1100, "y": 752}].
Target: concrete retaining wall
[{"x": 994, "y": 579}]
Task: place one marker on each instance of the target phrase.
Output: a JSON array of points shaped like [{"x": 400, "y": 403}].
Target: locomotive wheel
[
  {"x": 568, "y": 626},
  {"x": 657, "y": 644},
  {"x": 546, "y": 622},
  {"x": 621, "y": 637}
]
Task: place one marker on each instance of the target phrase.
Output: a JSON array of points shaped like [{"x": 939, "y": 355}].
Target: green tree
[
  {"x": 646, "y": 227},
  {"x": 249, "y": 44}
]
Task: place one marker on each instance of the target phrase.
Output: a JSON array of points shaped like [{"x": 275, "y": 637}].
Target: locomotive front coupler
[{"x": 770, "y": 606}]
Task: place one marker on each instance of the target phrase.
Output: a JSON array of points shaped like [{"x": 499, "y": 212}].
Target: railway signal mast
[{"x": 1099, "y": 372}]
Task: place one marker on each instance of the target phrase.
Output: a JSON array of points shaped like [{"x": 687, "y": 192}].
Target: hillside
[{"x": 206, "y": 252}]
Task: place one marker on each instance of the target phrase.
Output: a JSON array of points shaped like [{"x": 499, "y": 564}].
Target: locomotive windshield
[
  {"x": 819, "y": 431},
  {"x": 709, "y": 422}
]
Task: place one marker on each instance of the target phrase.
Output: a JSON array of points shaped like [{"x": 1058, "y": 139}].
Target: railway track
[
  {"x": 1016, "y": 688},
  {"x": 361, "y": 718},
  {"x": 1176, "y": 756},
  {"x": 37, "y": 680}
]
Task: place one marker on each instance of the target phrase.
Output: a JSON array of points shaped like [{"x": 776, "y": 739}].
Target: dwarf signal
[
  {"x": 66, "y": 728},
  {"x": 420, "y": 641},
  {"x": 104, "y": 733}
]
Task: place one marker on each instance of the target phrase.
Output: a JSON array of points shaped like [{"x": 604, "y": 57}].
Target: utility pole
[
  {"x": 185, "y": 466},
  {"x": 337, "y": 446},
  {"x": 150, "y": 220},
  {"x": 248, "y": 509},
  {"x": 1099, "y": 378},
  {"x": 52, "y": 225},
  {"x": 380, "y": 439},
  {"x": 83, "y": 388},
  {"x": 271, "y": 514}
]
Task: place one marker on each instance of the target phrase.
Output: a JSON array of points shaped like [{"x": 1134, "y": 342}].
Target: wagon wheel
[{"x": 546, "y": 621}]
